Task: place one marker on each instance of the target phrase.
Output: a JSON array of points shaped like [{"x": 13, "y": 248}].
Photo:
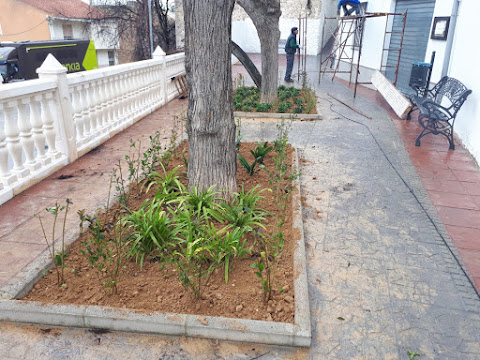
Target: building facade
[
  {"x": 37, "y": 20},
  {"x": 443, "y": 26},
  {"x": 244, "y": 32}
]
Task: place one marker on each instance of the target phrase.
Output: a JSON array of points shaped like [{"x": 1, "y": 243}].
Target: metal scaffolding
[
  {"x": 302, "y": 40},
  {"x": 347, "y": 36}
]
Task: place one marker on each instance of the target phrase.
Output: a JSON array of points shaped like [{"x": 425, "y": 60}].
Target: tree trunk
[
  {"x": 211, "y": 127},
  {"x": 265, "y": 15},
  {"x": 243, "y": 57}
]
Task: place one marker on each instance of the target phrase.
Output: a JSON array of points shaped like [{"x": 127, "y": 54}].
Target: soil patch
[{"x": 156, "y": 288}]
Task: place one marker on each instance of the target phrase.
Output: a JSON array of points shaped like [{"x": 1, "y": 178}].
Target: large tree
[
  {"x": 265, "y": 15},
  {"x": 211, "y": 127}
]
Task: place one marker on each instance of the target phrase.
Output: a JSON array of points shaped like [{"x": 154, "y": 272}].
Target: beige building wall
[{"x": 20, "y": 21}]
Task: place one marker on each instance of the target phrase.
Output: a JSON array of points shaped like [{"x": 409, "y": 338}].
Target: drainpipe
[{"x": 451, "y": 35}]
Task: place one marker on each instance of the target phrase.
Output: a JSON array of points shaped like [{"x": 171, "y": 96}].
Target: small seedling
[
  {"x": 250, "y": 168},
  {"x": 412, "y": 354}
]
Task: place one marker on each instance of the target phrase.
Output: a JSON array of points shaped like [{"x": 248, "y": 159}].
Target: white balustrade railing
[{"x": 48, "y": 122}]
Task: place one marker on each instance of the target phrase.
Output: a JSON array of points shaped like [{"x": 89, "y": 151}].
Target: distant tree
[
  {"x": 265, "y": 15},
  {"x": 132, "y": 21}
]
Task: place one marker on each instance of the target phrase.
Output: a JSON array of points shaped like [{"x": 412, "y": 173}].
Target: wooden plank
[{"x": 399, "y": 103}]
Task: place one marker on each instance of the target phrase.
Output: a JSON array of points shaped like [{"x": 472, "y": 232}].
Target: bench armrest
[{"x": 429, "y": 108}]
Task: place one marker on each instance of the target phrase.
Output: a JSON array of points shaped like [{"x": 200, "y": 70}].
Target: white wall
[
  {"x": 78, "y": 28},
  {"x": 464, "y": 67},
  {"x": 245, "y": 34},
  {"x": 374, "y": 32},
  {"x": 442, "y": 8}
]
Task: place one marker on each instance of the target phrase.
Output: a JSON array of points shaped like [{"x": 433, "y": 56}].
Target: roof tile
[{"x": 73, "y": 9}]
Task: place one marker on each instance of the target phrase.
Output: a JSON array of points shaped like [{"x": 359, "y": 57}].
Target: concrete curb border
[
  {"x": 255, "y": 331},
  {"x": 288, "y": 116}
]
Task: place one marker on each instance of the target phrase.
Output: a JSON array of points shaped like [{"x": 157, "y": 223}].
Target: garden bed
[
  {"x": 290, "y": 101},
  {"x": 157, "y": 288}
]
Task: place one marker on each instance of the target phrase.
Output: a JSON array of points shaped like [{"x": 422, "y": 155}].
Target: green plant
[
  {"x": 133, "y": 162},
  {"x": 250, "y": 168},
  {"x": 284, "y": 106},
  {"x": 167, "y": 183},
  {"x": 250, "y": 102},
  {"x": 185, "y": 160},
  {"x": 263, "y": 107},
  {"x": 59, "y": 256},
  {"x": 284, "y": 95},
  {"x": 297, "y": 100},
  {"x": 201, "y": 203},
  {"x": 412, "y": 354},
  {"x": 260, "y": 151},
  {"x": 192, "y": 255},
  {"x": 225, "y": 246},
  {"x": 120, "y": 185},
  {"x": 281, "y": 88},
  {"x": 238, "y": 106},
  {"x": 298, "y": 109},
  {"x": 243, "y": 211},
  {"x": 106, "y": 249},
  {"x": 269, "y": 248},
  {"x": 247, "y": 108},
  {"x": 152, "y": 155},
  {"x": 294, "y": 91},
  {"x": 310, "y": 100},
  {"x": 151, "y": 228},
  {"x": 238, "y": 98},
  {"x": 170, "y": 148},
  {"x": 239, "y": 135}
]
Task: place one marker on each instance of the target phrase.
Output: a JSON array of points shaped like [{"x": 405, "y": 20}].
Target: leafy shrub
[
  {"x": 298, "y": 101},
  {"x": 242, "y": 92},
  {"x": 247, "y": 108},
  {"x": 260, "y": 151},
  {"x": 281, "y": 88},
  {"x": 284, "y": 95},
  {"x": 298, "y": 109},
  {"x": 250, "y": 102},
  {"x": 263, "y": 107},
  {"x": 284, "y": 106},
  {"x": 250, "y": 168},
  {"x": 294, "y": 91},
  {"x": 238, "y": 98}
]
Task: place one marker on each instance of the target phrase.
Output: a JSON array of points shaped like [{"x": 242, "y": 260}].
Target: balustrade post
[
  {"x": 37, "y": 129},
  {"x": 51, "y": 69},
  {"x": 26, "y": 138},
  {"x": 6, "y": 176},
  {"x": 13, "y": 139},
  {"x": 159, "y": 54}
]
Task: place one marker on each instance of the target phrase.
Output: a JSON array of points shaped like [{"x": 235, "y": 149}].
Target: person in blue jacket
[
  {"x": 354, "y": 6},
  {"x": 291, "y": 47}
]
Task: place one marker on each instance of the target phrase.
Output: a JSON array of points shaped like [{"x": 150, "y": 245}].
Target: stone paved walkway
[{"x": 383, "y": 280}]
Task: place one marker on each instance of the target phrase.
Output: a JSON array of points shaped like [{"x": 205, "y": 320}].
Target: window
[
  {"x": 67, "y": 32},
  {"x": 111, "y": 57}
]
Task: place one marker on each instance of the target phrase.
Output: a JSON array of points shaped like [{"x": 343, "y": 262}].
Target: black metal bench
[{"x": 439, "y": 107}]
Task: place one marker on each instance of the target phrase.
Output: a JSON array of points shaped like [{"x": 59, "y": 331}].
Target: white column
[
  {"x": 6, "y": 176},
  {"x": 51, "y": 69},
  {"x": 159, "y": 54}
]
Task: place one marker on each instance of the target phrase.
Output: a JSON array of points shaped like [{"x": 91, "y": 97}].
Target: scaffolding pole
[{"x": 302, "y": 40}]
